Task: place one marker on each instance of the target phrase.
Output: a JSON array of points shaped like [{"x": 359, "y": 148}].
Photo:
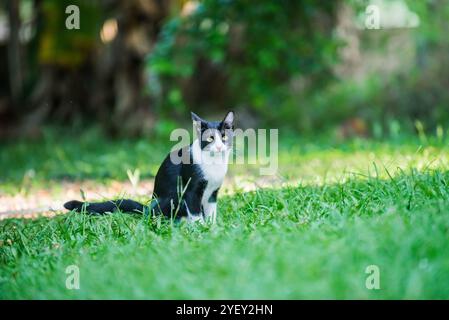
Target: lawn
[{"x": 333, "y": 210}]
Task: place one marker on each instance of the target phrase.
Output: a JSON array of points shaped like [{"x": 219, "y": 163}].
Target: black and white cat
[{"x": 187, "y": 188}]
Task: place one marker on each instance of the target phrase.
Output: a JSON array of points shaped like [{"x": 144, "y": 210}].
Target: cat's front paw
[{"x": 195, "y": 218}]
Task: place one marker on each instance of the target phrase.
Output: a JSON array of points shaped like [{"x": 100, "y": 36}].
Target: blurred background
[
  {"x": 358, "y": 89},
  {"x": 137, "y": 67}
]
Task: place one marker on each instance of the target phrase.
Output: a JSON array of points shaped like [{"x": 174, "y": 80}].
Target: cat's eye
[
  {"x": 224, "y": 137},
  {"x": 210, "y": 139}
]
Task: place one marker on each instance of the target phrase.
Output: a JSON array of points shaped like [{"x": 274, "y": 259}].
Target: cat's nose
[{"x": 219, "y": 148}]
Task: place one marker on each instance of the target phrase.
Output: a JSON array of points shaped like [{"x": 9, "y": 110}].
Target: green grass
[
  {"x": 32, "y": 164},
  {"x": 359, "y": 203}
]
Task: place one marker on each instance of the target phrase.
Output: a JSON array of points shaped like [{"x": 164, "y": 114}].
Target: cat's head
[{"x": 215, "y": 136}]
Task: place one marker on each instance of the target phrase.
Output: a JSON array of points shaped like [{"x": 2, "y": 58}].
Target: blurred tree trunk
[
  {"x": 84, "y": 79},
  {"x": 14, "y": 52},
  {"x": 120, "y": 67}
]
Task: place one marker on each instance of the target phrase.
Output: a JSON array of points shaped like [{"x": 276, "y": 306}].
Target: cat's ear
[
  {"x": 228, "y": 120},
  {"x": 196, "y": 120},
  {"x": 195, "y": 117}
]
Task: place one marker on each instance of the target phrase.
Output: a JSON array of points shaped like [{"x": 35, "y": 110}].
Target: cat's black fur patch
[
  {"x": 213, "y": 196},
  {"x": 125, "y": 205},
  {"x": 172, "y": 179}
]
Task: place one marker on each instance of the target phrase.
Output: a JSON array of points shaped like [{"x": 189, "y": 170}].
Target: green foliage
[
  {"x": 258, "y": 47},
  {"x": 413, "y": 93},
  {"x": 61, "y": 46},
  {"x": 279, "y": 56},
  {"x": 273, "y": 59},
  {"x": 422, "y": 93}
]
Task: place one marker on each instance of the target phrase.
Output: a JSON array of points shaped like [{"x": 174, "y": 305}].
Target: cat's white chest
[
  {"x": 213, "y": 169},
  {"x": 214, "y": 174}
]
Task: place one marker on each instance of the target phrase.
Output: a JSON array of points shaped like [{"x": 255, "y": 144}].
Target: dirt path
[{"x": 48, "y": 201}]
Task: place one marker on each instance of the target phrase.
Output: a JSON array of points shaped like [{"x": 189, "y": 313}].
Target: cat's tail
[{"x": 124, "y": 205}]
